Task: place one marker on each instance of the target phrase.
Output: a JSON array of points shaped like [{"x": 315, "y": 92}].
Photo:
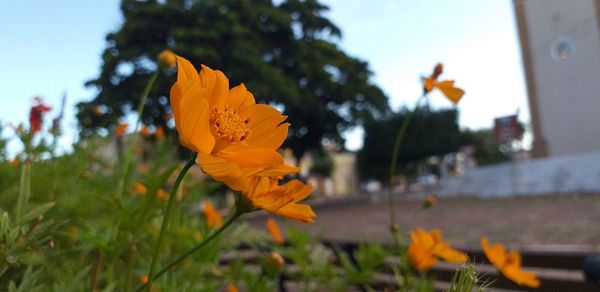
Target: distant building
[
  {"x": 343, "y": 181},
  {"x": 560, "y": 42}
]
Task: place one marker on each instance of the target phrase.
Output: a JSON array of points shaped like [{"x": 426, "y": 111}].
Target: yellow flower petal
[
  {"x": 454, "y": 94},
  {"x": 274, "y": 231}
]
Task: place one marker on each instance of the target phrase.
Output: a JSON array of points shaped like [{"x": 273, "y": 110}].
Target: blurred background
[{"x": 347, "y": 73}]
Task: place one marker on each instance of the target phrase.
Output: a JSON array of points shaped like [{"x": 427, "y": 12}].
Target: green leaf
[{"x": 38, "y": 211}]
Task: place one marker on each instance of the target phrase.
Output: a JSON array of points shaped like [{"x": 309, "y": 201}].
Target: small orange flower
[
  {"x": 266, "y": 193},
  {"x": 98, "y": 110},
  {"x": 184, "y": 191},
  {"x": 429, "y": 202},
  {"x": 142, "y": 169},
  {"x": 509, "y": 263},
  {"x": 231, "y": 288},
  {"x": 143, "y": 279},
  {"x": 14, "y": 163},
  {"x": 167, "y": 59},
  {"x": 235, "y": 138},
  {"x": 144, "y": 131},
  {"x": 139, "y": 188},
  {"x": 427, "y": 247},
  {"x": 276, "y": 259},
  {"x": 273, "y": 264},
  {"x": 274, "y": 231},
  {"x": 213, "y": 217},
  {"x": 447, "y": 87},
  {"x": 121, "y": 129},
  {"x": 159, "y": 133},
  {"x": 162, "y": 194}
]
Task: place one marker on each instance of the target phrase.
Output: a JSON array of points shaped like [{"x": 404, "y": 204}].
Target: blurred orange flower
[
  {"x": 98, "y": 110},
  {"x": 213, "y": 217},
  {"x": 231, "y": 288},
  {"x": 274, "y": 231},
  {"x": 144, "y": 131},
  {"x": 14, "y": 163},
  {"x": 121, "y": 129},
  {"x": 143, "y": 279},
  {"x": 167, "y": 59},
  {"x": 454, "y": 94},
  {"x": 159, "y": 133},
  {"x": 509, "y": 263},
  {"x": 139, "y": 188},
  {"x": 429, "y": 202},
  {"x": 162, "y": 194},
  {"x": 234, "y": 137},
  {"x": 426, "y": 248},
  {"x": 266, "y": 193}
]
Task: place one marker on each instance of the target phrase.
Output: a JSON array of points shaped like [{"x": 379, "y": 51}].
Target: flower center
[{"x": 229, "y": 125}]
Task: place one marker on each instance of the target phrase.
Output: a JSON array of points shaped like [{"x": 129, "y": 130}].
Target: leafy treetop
[{"x": 284, "y": 53}]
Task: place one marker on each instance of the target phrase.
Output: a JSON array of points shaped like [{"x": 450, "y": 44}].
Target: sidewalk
[{"x": 556, "y": 222}]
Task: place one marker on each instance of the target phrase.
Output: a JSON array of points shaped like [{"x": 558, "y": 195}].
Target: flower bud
[
  {"x": 167, "y": 59},
  {"x": 273, "y": 263},
  {"x": 429, "y": 202}
]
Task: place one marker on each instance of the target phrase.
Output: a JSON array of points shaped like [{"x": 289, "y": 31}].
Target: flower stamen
[{"x": 229, "y": 125}]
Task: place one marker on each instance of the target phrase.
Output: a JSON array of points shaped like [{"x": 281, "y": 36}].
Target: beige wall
[{"x": 567, "y": 93}]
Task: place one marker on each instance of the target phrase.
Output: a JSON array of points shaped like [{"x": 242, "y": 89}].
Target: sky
[{"x": 55, "y": 47}]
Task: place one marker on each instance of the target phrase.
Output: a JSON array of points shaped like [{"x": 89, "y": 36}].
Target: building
[{"x": 560, "y": 43}]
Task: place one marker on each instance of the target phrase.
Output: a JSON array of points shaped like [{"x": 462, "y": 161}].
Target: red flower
[{"x": 36, "y": 114}]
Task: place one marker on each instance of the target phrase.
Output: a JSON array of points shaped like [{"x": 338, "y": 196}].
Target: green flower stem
[
  {"x": 126, "y": 174},
  {"x": 393, "y": 166},
  {"x": 167, "y": 217},
  {"x": 262, "y": 274},
  {"x": 182, "y": 257},
  {"x": 131, "y": 144}
]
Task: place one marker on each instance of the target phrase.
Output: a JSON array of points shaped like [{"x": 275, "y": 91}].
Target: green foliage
[
  {"x": 284, "y": 53},
  {"x": 486, "y": 152},
  {"x": 369, "y": 259},
  {"x": 322, "y": 165},
  {"x": 466, "y": 279},
  {"x": 429, "y": 133}
]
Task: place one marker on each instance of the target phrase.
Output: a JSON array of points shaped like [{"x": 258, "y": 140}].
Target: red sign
[{"x": 507, "y": 129}]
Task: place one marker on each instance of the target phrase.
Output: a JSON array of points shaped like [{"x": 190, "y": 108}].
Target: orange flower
[
  {"x": 167, "y": 59},
  {"x": 266, "y": 193},
  {"x": 142, "y": 169},
  {"x": 454, "y": 94},
  {"x": 231, "y": 288},
  {"x": 427, "y": 247},
  {"x": 213, "y": 217},
  {"x": 162, "y": 194},
  {"x": 234, "y": 137},
  {"x": 139, "y": 188},
  {"x": 159, "y": 133},
  {"x": 144, "y": 131},
  {"x": 98, "y": 110},
  {"x": 429, "y": 202},
  {"x": 14, "y": 163},
  {"x": 274, "y": 231},
  {"x": 120, "y": 130},
  {"x": 509, "y": 263},
  {"x": 143, "y": 279}
]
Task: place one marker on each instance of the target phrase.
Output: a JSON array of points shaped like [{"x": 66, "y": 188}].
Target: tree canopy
[
  {"x": 429, "y": 133},
  {"x": 285, "y": 53}
]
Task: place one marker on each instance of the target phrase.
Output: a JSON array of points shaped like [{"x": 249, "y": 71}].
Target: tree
[
  {"x": 486, "y": 152},
  {"x": 284, "y": 53},
  {"x": 429, "y": 133}
]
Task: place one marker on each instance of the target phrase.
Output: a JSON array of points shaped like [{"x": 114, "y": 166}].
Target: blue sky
[{"x": 52, "y": 47}]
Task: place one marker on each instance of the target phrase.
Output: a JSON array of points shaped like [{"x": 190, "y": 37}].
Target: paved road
[{"x": 561, "y": 222}]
